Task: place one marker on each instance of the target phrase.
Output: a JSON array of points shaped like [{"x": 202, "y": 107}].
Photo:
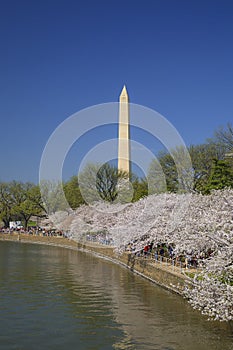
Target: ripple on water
[{"x": 54, "y": 298}]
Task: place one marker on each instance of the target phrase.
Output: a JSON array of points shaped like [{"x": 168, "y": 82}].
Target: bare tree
[{"x": 224, "y": 136}]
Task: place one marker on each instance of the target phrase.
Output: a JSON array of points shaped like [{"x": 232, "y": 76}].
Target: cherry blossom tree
[{"x": 194, "y": 224}]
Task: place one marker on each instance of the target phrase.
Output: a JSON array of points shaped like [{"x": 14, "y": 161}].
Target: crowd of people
[
  {"x": 166, "y": 253},
  {"x": 158, "y": 252},
  {"x": 39, "y": 231}
]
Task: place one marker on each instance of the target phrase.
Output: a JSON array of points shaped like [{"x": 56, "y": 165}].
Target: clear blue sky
[{"x": 58, "y": 57}]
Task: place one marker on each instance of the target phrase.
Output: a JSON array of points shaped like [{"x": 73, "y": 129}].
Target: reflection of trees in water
[
  {"x": 143, "y": 310},
  {"x": 109, "y": 302}
]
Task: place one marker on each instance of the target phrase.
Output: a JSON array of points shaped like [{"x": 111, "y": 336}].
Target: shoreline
[{"x": 157, "y": 273}]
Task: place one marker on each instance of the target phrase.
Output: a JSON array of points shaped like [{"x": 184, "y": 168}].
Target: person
[
  {"x": 161, "y": 252},
  {"x": 146, "y": 249},
  {"x": 187, "y": 261},
  {"x": 170, "y": 250},
  {"x": 151, "y": 247}
]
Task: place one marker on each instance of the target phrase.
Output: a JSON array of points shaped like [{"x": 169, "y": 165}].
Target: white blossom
[{"x": 194, "y": 223}]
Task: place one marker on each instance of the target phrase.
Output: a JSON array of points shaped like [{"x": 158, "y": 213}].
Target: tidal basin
[{"x": 57, "y": 298}]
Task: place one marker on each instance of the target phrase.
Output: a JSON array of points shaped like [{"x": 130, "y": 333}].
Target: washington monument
[{"x": 123, "y": 133}]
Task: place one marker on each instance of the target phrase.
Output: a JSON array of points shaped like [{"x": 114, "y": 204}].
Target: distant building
[
  {"x": 15, "y": 225},
  {"x": 124, "y": 133}
]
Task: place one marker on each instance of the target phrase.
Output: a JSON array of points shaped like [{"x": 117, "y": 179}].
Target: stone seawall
[{"x": 158, "y": 273}]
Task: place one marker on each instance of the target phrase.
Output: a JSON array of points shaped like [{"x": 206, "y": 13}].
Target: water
[{"x": 54, "y": 298}]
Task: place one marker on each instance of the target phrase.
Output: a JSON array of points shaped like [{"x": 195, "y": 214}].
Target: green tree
[
  {"x": 26, "y": 201},
  {"x": 193, "y": 173},
  {"x": 202, "y": 159},
  {"x": 221, "y": 176},
  {"x": 172, "y": 172},
  {"x": 19, "y": 201},
  {"x": 6, "y": 204},
  {"x": 34, "y": 195},
  {"x": 72, "y": 193},
  {"x": 162, "y": 174},
  {"x": 140, "y": 188},
  {"x": 25, "y": 210}
]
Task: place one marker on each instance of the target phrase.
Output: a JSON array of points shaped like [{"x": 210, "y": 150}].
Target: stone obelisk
[{"x": 123, "y": 133}]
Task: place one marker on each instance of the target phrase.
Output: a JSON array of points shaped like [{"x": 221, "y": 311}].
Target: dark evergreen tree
[{"x": 221, "y": 176}]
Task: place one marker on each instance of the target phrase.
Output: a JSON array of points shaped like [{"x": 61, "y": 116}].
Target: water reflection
[{"x": 63, "y": 298}]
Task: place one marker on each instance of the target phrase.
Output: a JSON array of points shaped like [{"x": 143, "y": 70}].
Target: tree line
[{"x": 212, "y": 168}]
